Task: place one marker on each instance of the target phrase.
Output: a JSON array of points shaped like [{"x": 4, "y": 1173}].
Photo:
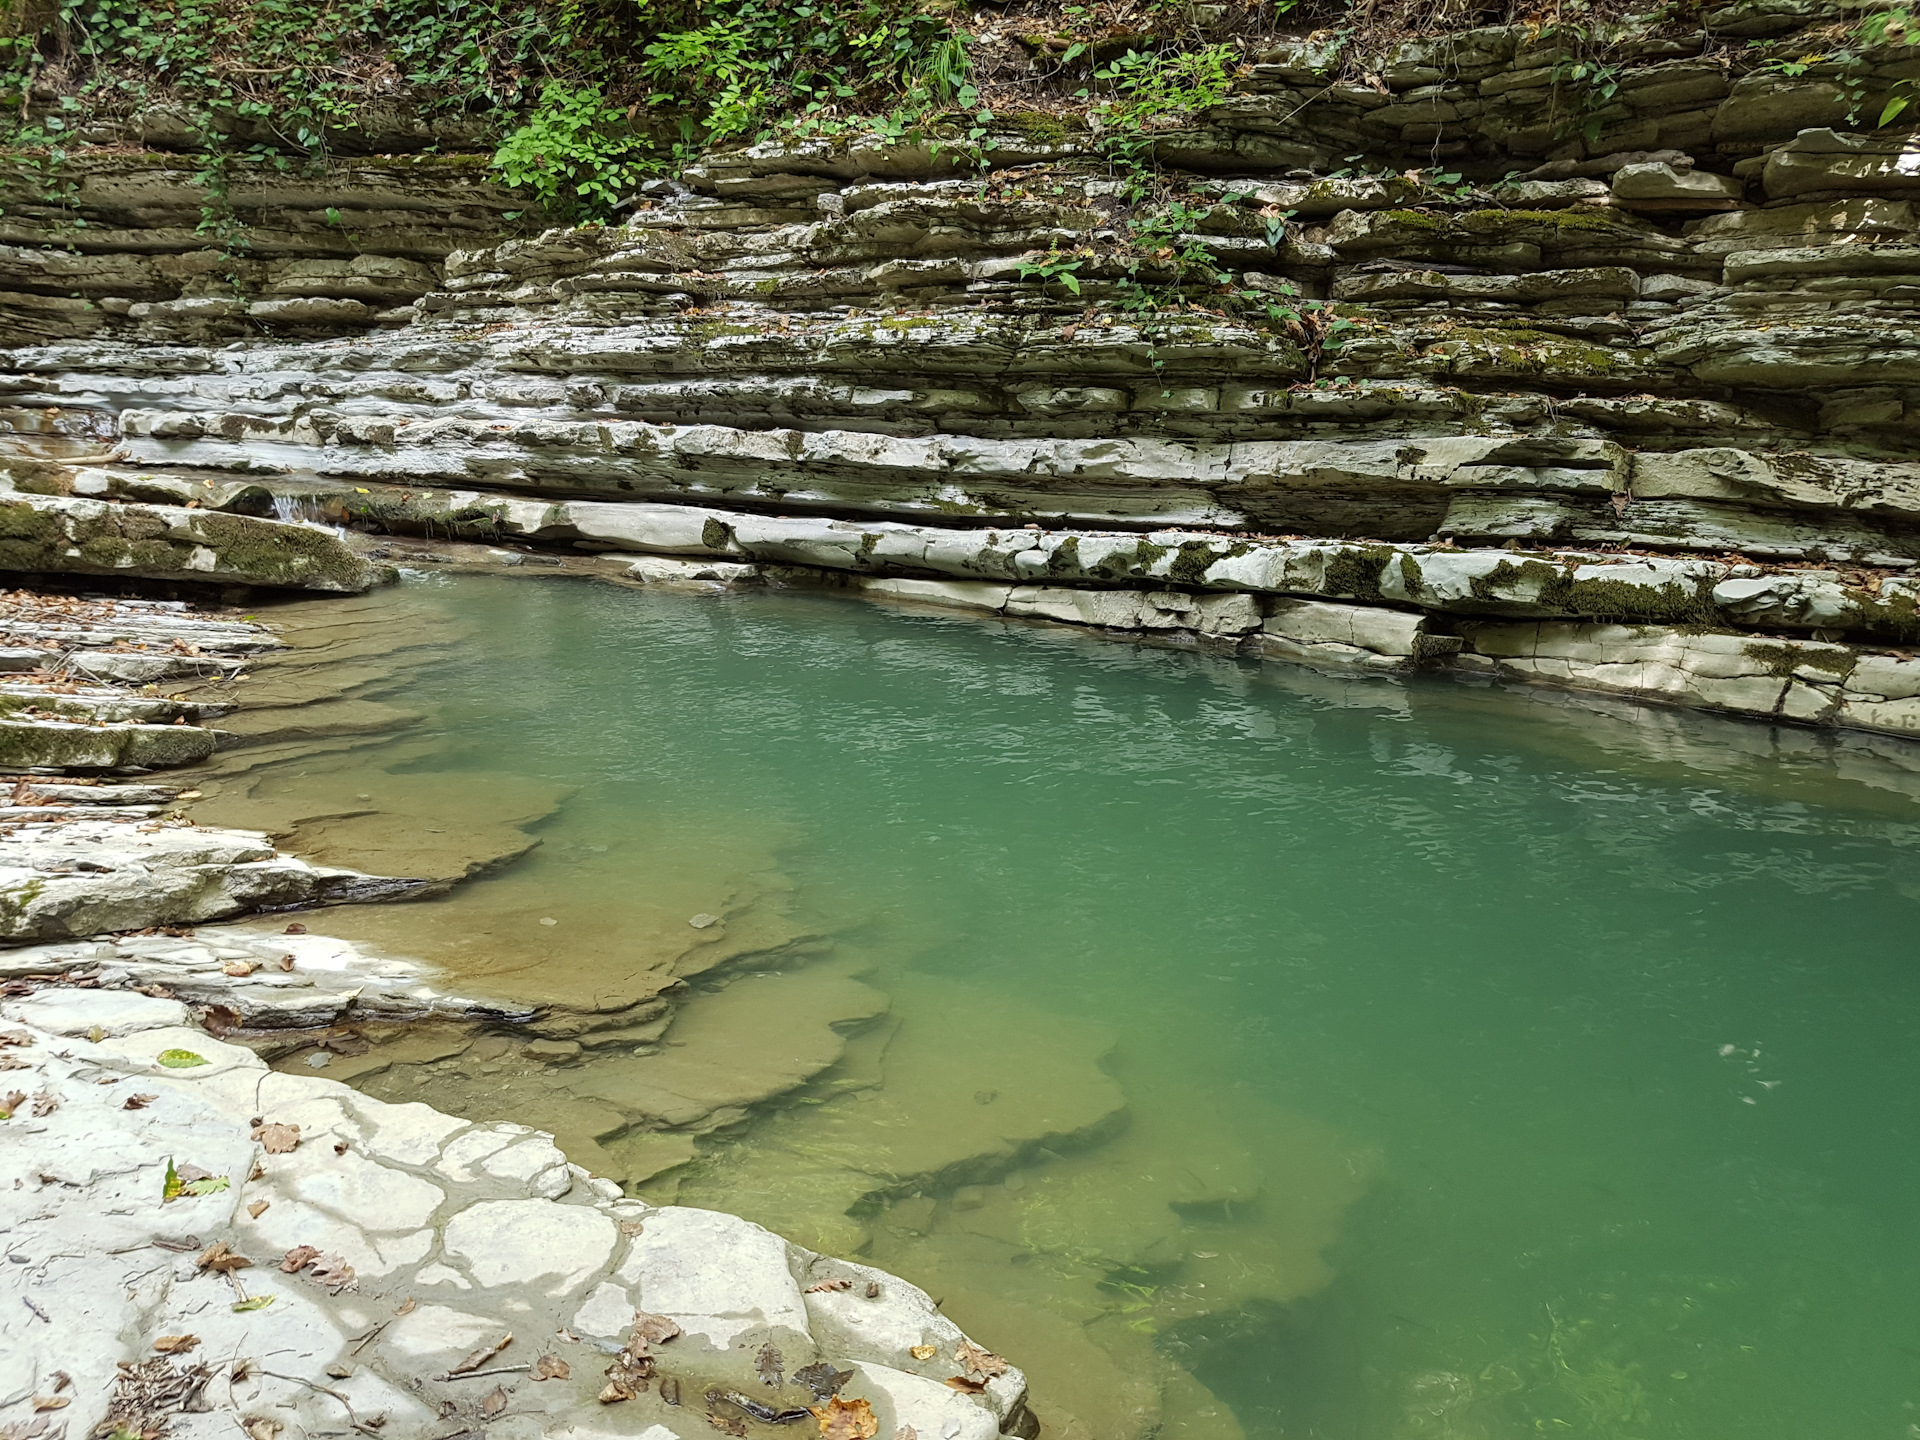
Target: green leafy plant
[
  {"x": 575, "y": 152},
  {"x": 1057, "y": 267},
  {"x": 1582, "y": 88},
  {"x": 1141, "y": 89}
]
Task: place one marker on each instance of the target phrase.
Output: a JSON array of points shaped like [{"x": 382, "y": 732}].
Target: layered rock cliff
[{"x": 1431, "y": 357}]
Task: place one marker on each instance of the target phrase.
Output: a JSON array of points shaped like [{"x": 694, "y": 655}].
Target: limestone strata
[
  {"x": 266, "y": 978},
  {"x": 69, "y": 878},
  {"x": 51, "y": 534},
  {"x": 437, "y": 1241},
  {"x": 1674, "y": 322}
]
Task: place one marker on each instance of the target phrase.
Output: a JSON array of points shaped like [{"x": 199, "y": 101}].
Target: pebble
[{"x": 703, "y": 920}]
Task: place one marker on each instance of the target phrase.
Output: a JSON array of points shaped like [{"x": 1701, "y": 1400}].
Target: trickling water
[{"x": 1421, "y": 1061}]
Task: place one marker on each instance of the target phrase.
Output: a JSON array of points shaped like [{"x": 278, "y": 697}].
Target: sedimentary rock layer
[{"x": 1657, "y": 341}]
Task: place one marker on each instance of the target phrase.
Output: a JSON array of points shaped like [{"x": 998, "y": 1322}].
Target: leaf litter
[{"x": 847, "y": 1420}]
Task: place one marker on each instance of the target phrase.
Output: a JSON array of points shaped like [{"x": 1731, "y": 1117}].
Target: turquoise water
[{"x": 1559, "y": 1061}]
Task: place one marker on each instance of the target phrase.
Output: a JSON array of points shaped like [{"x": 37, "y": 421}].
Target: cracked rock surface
[{"x": 408, "y": 1273}]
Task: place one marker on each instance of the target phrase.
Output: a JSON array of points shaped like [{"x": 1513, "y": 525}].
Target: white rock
[
  {"x": 76, "y": 1012},
  {"x": 913, "y": 1402},
  {"x": 521, "y": 1242},
  {"x": 608, "y": 1311},
  {"x": 722, "y": 1278}
]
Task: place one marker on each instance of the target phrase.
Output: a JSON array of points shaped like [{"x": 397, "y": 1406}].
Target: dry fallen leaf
[
  {"x": 242, "y": 1370},
  {"x": 567, "y": 1337},
  {"x": 966, "y": 1384},
  {"x": 222, "y": 1261},
  {"x": 51, "y": 1402},
  {"x": 406, "y": 1306},
  {"x": 846, "y": 1420},
  {"x": 239, "y": 968},
  {"x": 924, "y": 1352},
  {"x": 979, "y": 1362},
  {"x": 829, "y": 1285},
  {"x": 631, "y": 1228},
  {"x": 728, "y": 1424},
  {"x": 653, "y": 1329},
  {"x": 15, "y": 1037},
  {"x": 482, "y": 1355},
  {"x": 176, "y": 1344},
  {"x": 278, "y": 1139},
  {"x": 139, "y": 1102},
  {"x": 340, "y": 1370},
  {"x": 340, "y": 1147},
  {"x": 333, "y": 1272},
  {"x": 44, "y": 1105},
  {"x": 615, "y": 1391},
  {"x": 551, "y": 1367},
  {"x": 12, "y": 1062},
  {"x": 299, "y": 1258},
  {"x": 258, "y": 1208},
  {"x": 906, "y": 1432},
  {"x": 13, "y": 1100},
  {"x": 286, "y": 962},
  {"x": 494, "y": 1403},
  {"x": 259, "y": 1427}
]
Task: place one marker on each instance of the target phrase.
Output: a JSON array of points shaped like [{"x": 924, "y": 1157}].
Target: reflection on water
[{"x": 1243, "y": 1051}]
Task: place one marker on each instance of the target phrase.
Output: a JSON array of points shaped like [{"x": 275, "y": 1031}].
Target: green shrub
[{"x": 574, "y": 152}]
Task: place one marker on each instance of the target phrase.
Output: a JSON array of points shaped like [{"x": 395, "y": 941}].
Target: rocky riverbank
[
  {"x": 1620, "y": 405},
  {"x": 198, "y": 1241}
]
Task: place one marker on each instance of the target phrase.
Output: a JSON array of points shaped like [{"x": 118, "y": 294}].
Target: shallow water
[{"x": 1240, "y": 1050}]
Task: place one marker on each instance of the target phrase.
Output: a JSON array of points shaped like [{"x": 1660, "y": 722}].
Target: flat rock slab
[
  {"x": 269, "y": 978},
  {"x": 47, "y": 534},
  {"x": 450, "y": 1263},
  {"x": 71, "y": 878}
]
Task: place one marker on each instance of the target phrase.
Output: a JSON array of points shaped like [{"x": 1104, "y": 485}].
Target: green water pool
[{"x": 1529, "y": 1066}]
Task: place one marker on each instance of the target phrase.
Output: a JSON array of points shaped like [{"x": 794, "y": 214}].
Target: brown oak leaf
[
  {"x": 139, "y": 1102},
  {"x": 44, "y": 1105},
  {"x": 846, "y": 1420},
  {"x": 333, "y": 1272},
  {"x": 299, "y": 1258},
  {"x": 976, "y": 1361},
  {"x": 277, "y": 1139},
  {"x": 551, "y": 1367},
  {"x": 494, "y": 1403},
  {"x": 176, "y": 1344},
  {"x": 219, "y": 1259},
  {"x": 653, "y": 1329},
  {"x": 258, "y": 1208},
  {"x": 616, "y": 1390},
  {"x": 966, "y": 1384}
]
